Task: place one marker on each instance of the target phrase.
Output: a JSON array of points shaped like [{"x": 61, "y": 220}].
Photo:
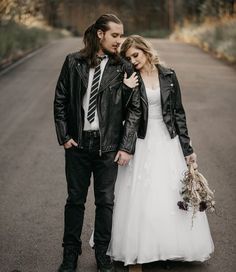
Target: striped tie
[{"x": 93, "y": 94}]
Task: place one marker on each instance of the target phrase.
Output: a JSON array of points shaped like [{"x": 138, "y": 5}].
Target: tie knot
[{"x": 100, "y": 58}]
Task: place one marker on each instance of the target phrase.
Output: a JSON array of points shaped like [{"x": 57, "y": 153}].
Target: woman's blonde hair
[{"x": 140, "y": 43}]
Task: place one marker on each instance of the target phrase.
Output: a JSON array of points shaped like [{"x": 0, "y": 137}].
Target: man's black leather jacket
[
  {"x": 118, "y": 106},
  {"x": 172, "y": 108}
]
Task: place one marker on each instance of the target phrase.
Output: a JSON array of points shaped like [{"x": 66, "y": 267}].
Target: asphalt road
[{"x": 33, "y": 188}]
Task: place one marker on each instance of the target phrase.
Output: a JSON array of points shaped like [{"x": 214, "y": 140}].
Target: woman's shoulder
[{"x": 163, "y": 69}]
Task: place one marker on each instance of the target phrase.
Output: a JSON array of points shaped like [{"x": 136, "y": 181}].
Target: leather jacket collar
[
  {"x": 164, "y": 70},
  {"x": 83, "y": 70}
]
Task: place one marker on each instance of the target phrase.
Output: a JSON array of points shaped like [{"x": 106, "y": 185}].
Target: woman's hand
[
  {"x": 132, "y": 81},
  {"x": 192, "y": 159}
]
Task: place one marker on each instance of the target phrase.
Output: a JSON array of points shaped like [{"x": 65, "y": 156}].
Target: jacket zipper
[
  {"x": 144, "y": 101},
  {"x": 99, "y": 125},
  {"x": 100, "y": 148}
]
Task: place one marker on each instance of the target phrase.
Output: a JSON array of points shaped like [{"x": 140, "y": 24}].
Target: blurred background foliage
[{"x": 210, "y": 24}]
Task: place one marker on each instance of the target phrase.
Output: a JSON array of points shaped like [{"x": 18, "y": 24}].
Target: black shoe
[
  {"x": 70, "y": 257},
  {"x": 104, "y": 263}
]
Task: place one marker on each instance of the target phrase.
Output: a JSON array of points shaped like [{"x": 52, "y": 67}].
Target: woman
[{"x": 147, "y": 223}]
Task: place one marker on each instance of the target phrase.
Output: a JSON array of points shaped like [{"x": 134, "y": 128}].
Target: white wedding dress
[{"x": 147, "y": 223}]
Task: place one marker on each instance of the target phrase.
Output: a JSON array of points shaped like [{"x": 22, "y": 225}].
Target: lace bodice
[{"x": 154, "y": 103}]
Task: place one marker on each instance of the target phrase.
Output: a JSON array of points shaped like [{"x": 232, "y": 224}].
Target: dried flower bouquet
[{"x": 195, "y": 192}]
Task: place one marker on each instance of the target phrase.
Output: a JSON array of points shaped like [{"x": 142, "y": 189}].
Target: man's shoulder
[
  {"x": 125, "y": 62},
  {"x": 74, "y": 55},
  {"x": 74, "y": 58}
]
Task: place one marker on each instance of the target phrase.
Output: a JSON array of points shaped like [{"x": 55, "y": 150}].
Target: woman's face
[{"x": 136, "y": 57}]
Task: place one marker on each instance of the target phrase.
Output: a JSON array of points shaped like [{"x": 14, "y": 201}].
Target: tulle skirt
[{"x": 147, "y": 223}]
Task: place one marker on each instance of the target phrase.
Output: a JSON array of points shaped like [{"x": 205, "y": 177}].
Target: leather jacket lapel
[
  {"x": 109, "y": 75},
  {"x": 165, "y": 84},
  {"x": 83, "y": 70},
  {"x": 143, "y": 90}
]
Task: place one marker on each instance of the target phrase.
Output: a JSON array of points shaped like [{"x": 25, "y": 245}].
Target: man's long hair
[{"x": 91, "y": 40}]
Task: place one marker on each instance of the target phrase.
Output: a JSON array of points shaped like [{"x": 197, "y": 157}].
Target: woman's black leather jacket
[{"x": 172, "y": 108}]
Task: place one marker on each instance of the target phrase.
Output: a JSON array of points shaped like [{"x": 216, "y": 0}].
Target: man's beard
[
  {"x": 113, "y": 55},
  {"x": 109, "y": 53}
]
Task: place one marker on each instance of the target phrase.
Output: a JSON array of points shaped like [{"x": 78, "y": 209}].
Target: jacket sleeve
[
  {"x": 180, "y": 120},
  {"x": 61, "y": 103},
  {"x": 132, "y": 111}
]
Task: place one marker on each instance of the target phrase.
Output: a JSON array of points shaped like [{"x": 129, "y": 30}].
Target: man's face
[{"x": 112, "y": 38}]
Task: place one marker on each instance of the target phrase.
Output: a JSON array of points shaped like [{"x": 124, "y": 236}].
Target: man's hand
[
  {"x": 70, "y": 143},
  {"x": 132, "y": 81},
  {"x": 192, "y": 159},
  {"x": 122, "y": 158}
]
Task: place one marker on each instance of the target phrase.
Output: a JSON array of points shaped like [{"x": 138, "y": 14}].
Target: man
[{"x": 91, "y": 103}]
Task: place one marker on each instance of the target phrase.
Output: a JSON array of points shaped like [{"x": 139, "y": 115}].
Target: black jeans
[{"x": 80, "y": 163}]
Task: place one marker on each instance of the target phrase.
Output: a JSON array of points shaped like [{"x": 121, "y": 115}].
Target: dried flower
[
  {"x": 202, "y": 206},
  {"x": 183, "y": 205}
]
